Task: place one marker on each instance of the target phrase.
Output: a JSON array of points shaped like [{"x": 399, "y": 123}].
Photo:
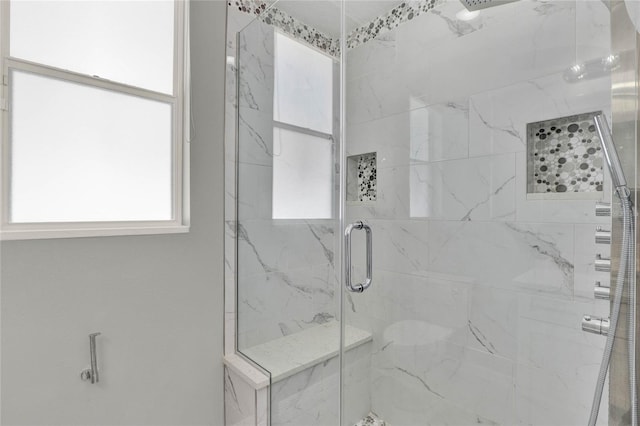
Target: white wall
[{"x": 156, "y": 299}]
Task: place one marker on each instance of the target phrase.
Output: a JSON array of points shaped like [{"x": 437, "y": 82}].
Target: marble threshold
[{"x": 285, "y": 356}]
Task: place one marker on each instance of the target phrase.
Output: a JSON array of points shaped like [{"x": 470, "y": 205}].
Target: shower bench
[
  {"x": 291, "y": 354},
  {"x": 305, "y": 377}
]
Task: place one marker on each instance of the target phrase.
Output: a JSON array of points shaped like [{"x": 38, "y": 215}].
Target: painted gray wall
[{"x": 156, "y": 299}]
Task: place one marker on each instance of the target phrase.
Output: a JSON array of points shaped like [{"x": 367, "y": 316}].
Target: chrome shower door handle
[{"x": 358, "y": 288}]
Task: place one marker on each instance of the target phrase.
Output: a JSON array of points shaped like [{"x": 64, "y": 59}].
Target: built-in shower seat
[{"x": 288, "y": 355}]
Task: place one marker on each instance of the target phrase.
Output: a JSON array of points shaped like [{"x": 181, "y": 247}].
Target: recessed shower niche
[
  {"x": 564, "y": 158},
  {"x": 362, "y": 178}
]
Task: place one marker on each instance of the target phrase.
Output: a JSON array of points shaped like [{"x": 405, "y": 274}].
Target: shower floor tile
[{"x": 371, "y": 420}]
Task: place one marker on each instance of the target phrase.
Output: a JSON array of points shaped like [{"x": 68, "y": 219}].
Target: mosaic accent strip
[
  {"x": 362, "y": 177},
  {"x": 564, "y": 155},
  {"x": 404, "y": 12},
  {"x": 289, "y": 25}
]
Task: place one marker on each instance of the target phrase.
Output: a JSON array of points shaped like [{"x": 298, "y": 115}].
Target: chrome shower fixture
[{"x": 472, "y": 5}]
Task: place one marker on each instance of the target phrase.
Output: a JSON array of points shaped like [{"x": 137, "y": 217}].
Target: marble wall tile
[
  {"x": 545, "y": 398},
  {"x": 493, "y": 322},
  {"x": 255, "y": 184},
  {"x": 256, "y": 63},
  {"x": 255, "y": 137},
  {"x": 497, "y": 54},
  {"x": 279, "y": 303},
  {"x": 560, "y": 313},
  {"x": 357, "y": 383},
  {"x": 556, "y": 374},
  {"x": 263, "y": 413},
  {"x": 413, "y": 384},
  {"x": 270, "y": 245},
  {"x": 310, "y": 397},
  {"x": 377, "y": 95},
  {"x": 467, "y": 189},
  {"x": 305, "y": 398},
  {"x": 534, "y": 258},
  {"x": 439, "y": 131},
  {"x": 374, "y": 55},
  {"x": 400, "y": 246},
  {"x": 519, "y": 42},
  {"x": 422, "y": 308},
  {"x": 388, "y": 137},
  {"x": 593, "y": 31},
  {"x": 239, "y": 401},
  {"x": 392, "y": 200},
  {"x": 498, "y": 118}
]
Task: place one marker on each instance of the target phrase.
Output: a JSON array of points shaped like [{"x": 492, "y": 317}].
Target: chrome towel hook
[{"x": 91, "y": 373}]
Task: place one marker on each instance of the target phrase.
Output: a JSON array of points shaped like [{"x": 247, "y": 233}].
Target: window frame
[
  {"x": 305, "y": 130},
  {"x": 178, "y": 103}
]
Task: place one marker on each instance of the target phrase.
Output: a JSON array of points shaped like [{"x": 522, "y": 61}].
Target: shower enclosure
[{"x": 411, "y": 210}]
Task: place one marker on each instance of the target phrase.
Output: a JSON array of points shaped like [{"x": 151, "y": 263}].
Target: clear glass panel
[
  {"x": 126, "y": 41},
  {"x": 478, "y": 287},
  {"x": 81, "y": 154},
  {"x": 302, "y": 176},
  {"x": 303, "y": 85},
  {"x": 288, "y": 234}
]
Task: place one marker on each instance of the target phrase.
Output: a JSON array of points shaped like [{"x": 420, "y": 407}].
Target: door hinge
[
  {"x": 5, "y": 80},
  {"x": 4, "y": 105}
]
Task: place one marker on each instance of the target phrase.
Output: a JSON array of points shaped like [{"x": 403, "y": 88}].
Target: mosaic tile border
[
  {"x": 289, "y": 25},
  {"x": 400, "y": 14},
  {"x": 404, "y": 12},
  {"x": 564, "y": 156}
]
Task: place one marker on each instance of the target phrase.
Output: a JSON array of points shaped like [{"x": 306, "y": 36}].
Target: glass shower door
[{"x": 471, "y": 155}]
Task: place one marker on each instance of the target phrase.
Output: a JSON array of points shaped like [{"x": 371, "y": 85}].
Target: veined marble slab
[{"x": 288, "y": 355}]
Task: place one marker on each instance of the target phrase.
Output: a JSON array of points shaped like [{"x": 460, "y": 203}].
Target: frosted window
[
  {"x": 302, "y": 180},
  {"x": 303, "y": 93},
  {"x": 126, "y": 41},
  {"x": 81, "y": 154}
]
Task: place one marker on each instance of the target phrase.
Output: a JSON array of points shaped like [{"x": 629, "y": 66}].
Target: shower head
[
  {"x": 472, "y": 5},
  {"x": 610, "y": 153}
]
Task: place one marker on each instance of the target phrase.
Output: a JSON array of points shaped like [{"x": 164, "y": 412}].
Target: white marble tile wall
[
  {"x": 284, "y": 268},
  {"x": 310, "y": 397},
  {"x": 239, "y": 401},
  {"x": 478, "y": 292},
  {"x": 243, "y": 404}
]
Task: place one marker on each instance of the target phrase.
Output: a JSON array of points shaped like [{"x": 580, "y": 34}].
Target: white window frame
[
  {"x": 305, "y": 131},
  {"x": 180, "y": 140}
]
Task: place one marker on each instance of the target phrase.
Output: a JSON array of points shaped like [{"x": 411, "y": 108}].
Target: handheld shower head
[{"x": 610, "y": 153}]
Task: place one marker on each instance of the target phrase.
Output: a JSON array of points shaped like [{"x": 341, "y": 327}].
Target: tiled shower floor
[{"x": 371, "y": 420}]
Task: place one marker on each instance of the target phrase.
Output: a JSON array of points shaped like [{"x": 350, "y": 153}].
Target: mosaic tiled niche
[
  {"x": 362, "y": 177},
  {"x": 564, "y": 158}
]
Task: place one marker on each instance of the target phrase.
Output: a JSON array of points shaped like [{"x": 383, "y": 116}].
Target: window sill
[{"x": 44, "y": 234}]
